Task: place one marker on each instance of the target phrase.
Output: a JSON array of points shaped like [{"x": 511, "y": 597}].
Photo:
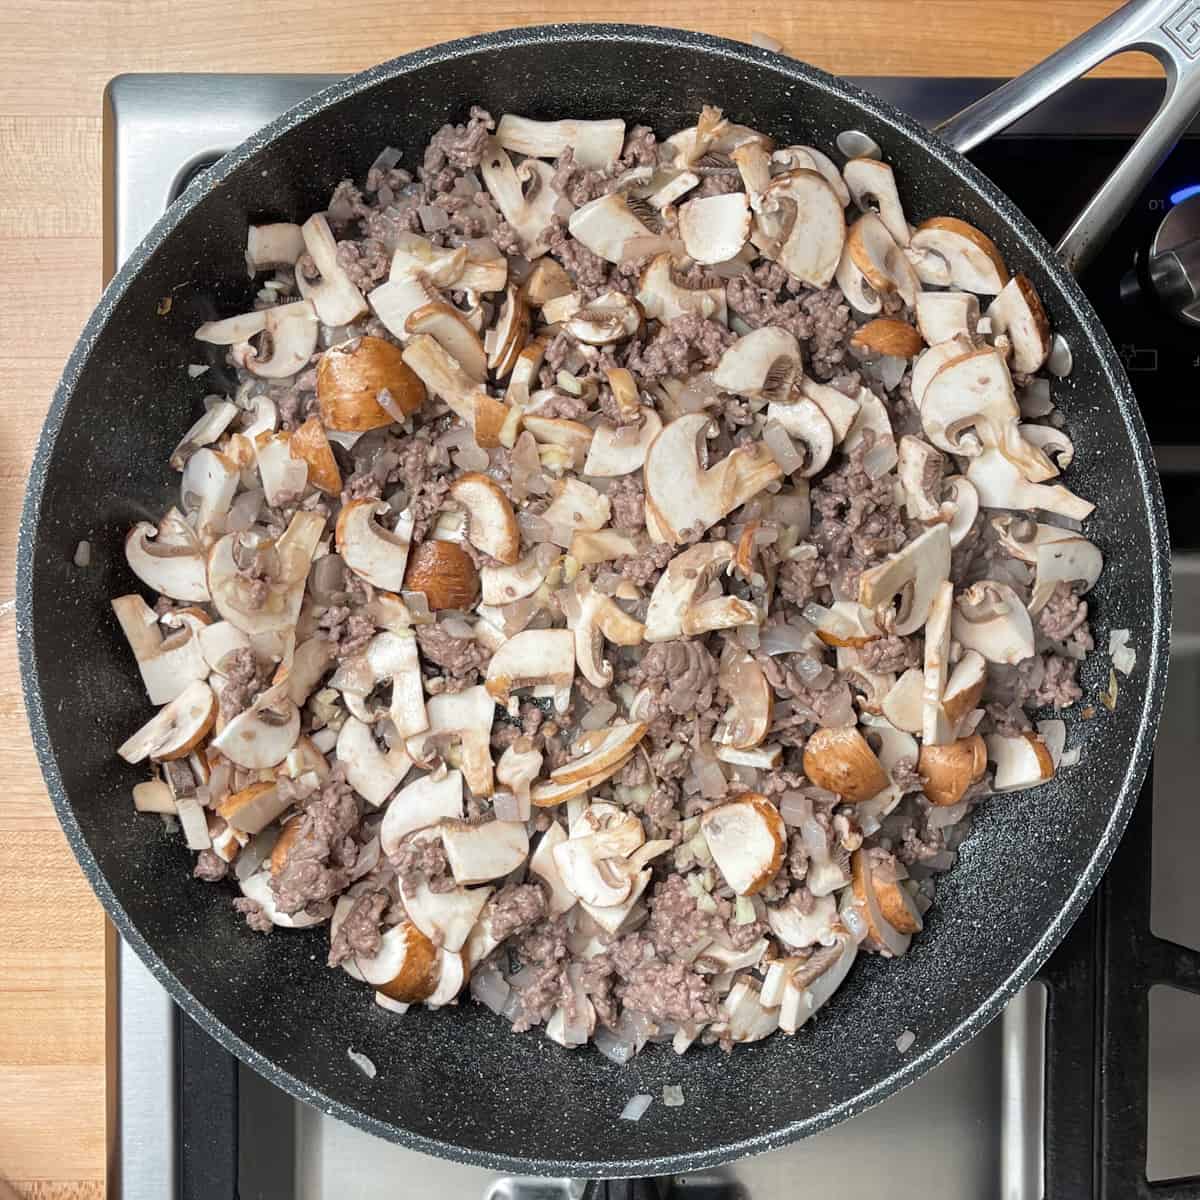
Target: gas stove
[{"x": 1090, "y": 1081}]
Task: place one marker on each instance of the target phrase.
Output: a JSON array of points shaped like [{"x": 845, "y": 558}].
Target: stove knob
[{"x": 1169, "y": 273}]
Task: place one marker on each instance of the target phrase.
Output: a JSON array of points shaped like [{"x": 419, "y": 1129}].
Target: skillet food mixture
[{"x": 607, "y": 575}]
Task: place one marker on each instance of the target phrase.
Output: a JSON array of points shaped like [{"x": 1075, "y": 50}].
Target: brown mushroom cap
[
  {"x": 841, "y": 761},
  {"x": 445, "y": 574},
  {"x": 888, "y": 335},
  {"x": 350, "y": 378},
  {"x": 310, "y": 444},
  {"x": 950, "y": 770}
]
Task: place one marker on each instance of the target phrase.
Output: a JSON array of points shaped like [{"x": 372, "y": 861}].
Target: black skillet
[{"x": 457, "y": 1083}]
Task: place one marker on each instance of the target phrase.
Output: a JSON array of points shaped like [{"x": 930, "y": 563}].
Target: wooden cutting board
[{"x": 55, "y": 59}]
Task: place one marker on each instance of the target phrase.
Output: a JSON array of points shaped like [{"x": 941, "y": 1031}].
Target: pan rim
[{"x": 750, "y": 57}]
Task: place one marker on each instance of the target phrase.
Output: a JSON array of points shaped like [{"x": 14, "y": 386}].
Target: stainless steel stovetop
[{"x": 972, "y": 1129}]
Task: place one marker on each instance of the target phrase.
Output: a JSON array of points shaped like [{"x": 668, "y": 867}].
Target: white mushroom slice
[
  {"x": 842, "y": 761},
  {"x": 336, "y": 299},
  {"x": 920, "y": 473},
  {"x": 964, "y": 687},
  {"x": 479, "y": 853},
  {"x": 840, "y": 410},
  {"x": 881, "y": 261},
  {"x": 811, "y": 216},
  {"x": 744, "y": 1018},
  {"x": 905, "y": 582},
  {"x": 765, "y": 362},
  {"x": 888, "y": 936},
  {"x": 1022, "y": 761},
  {"x": 1064, "y": 559},
  {"x": 609, "y": 749},
  {"x": 873, "y": 415},
  {"x": 717, "y": 957},
  {"x": 611, "y": 452},
  {"x": 491, "y": 522},
  {"x": 505, "y": 584},
  {"x": 167, "y": 666},
  {"x": 715, "y": 228},
  {"x": 687, "y": 576},
  {"x": 614, "y": 919},
  {"x": 990, "y": 618},
  {"x": 945, "y": 315},
  {"x": 542, "y": 864},
  {"x": 253, "y": 808},
  {"x": 175, "y": 730},
  {"x": 573, "y": 436},
  {"x": 753, "y": 161},
  {"x": 930, "y": 361},
  {"x": 748, "y": 718},
  {"x": 523, "y": 195},
  {"x": 373, "y": 552},
  {"x": 275, "y": 245},
  {"x": 802, "y": 929},
  {"x": 811, "y": 159},
  {"x": 965, "y": 501},
  {"x": 975, "y": 263},
  {"x": 219, "y": 640},
  {"x": 549, "y": 794},
  {"x": 405, "y": 967},
  {"x": 1000, "y": 484},
  {"x": 1018, "y": 312},
  {"x": 859, "y": 294},
  {"x": 312, "y": 659},
  {"x": 611, "y": 317},
  {"x": 932, "y": 269},
  {"x": 371, "y": 772},
  {"x": 425, "y": 802},
  {"x": 466, "y": 716},
  {"x": 532, "y": 657},
  {"x": 210, "y": 481},
  {"x": 678, "y": 185},
  {"x": 681, "y": 494},
  {"x": 446, "y": 918},
  {"x": 872, "y": 185},
  {"x": 415, "y": 254},
  {"x": 605, "y": 224},
  {"x": 592, "y": 617},
  {"x": 948, "y": 771},
  {"x": 601, "y": 545},
  {"x": 451, "y": 980},
  {"x": 506, "y": 341},
  {"x": 595, "y": 143},
  {"x": 937, "y": 727},
  {"x": 722, "y": 612},
  {"x": 591, "y": 862},
  {"x": 805, "y": 420},
  {"x": 405, "y": 293},
  {"x": 444, "y": 377},
  {"x": 1053, "y": 443},
  {"x": 230, "y": 331},
  {"x": 449, "y": 327},
  {"x": 577, "y": 505},
  {"x": 204, "y": 432},
  {"x": 842, "y": 625},
  {"x": 663, "y": 299},
  {"x": 970, "y": 404},
  {"x": 168, "y": 568},
  {"x": 263, "y": 734},
  {"x": 257, "y": 887},
  {"x": 391, "y": 657},
  {"x": 746, "y": 838},
  {"x": 904, "y": 703},
  {"x": 283, "y": 477},
  {"x": 1054, "y": 733}
]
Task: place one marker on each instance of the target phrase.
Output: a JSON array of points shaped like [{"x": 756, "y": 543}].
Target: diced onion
[
  {"x": 489, "y": 987},
  {"x": 362, "y": 1062},
  {"x": 1124, "y": 656},
  {"x": 614, "y": 1047},
  {"x": 673, "y": 1096},
  {"x": 765, "y": 41},
  {"x": 636, "y": 1107},
  {"x": 782, "y": 448},
  {"x": 905, "y": 1040}
]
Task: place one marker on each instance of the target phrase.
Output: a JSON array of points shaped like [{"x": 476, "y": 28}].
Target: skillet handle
[{"x": 1167, "y": 29}]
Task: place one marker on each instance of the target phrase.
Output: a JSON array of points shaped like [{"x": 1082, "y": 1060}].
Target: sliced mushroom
[
  {"x": 491, "y": 522},
  {"x": 445, "y": 378},
  {"x": 963, "y": 498},
  {"x": 975, "y": 264},
  {"x": 663, "y": 299},
  {"x": 336, "y": 299},
  {"x": 888, "y": 336},
  {"x": 904, "y": 703},
  {"x": 591, "y": 862},
  {"x": 605, "y": 224},
  {"x": 920, "y": 471},
  {"x": 840, "y": 410},
  {"x": 310, "y": 444},
  {"x": 284, "y": 476},
  {"x": 937, "y": 728},
  {"x": 1000, "y": 484},
  {"x": 531, "y": 658},
  {"x": 422, "y": 804},
  {"x": 872, "y": 895},
  {"x": 715, "y": 228},
  {"x": 351, "y": 376},
  {"x": 746, "y": 838},
  {"x": 506, "y": 584},
  {"x": 685, "y": 578},
  {"x": 275, "y": 245},
  {"x": 881, "y": 260},
  {"x": 798, "y": 929},
  {"x": 964, "y": 687},
  {"x": 942, "y": 316},
  {"x": 542, "y": 864},
  {"x": 547, "y": 281},
  {"x": 372, "y": 773},
  {"x": 1053, "y": 443},
  {"x": 389, "y": 658},
  {"x": 802, "y": 226},
  {"x": 1018, "y": 313},
  {"x": 592, "y": 617},
  {"x": 872, "y": 185},
  {"x": 573, "y": 437},
  {"x": 970, "y": 404},
  {"x": 466, "y": 717},
  {"x": 204, "y": 432},
  {"x": 480, "y": 853},
  {"x": 446, "y": 918},
  {"x": 577, "y": 505},
  {"x": 289, "y": 337},
  {"x": 681, "y": 494},
  {"x": 932, "y": 269},
  {"x": 257, "y": 887},
  {"x": 611, "y": 317},
  {"x": 406, "y": 966},
  {"x": 507, "y": 339},
  {"x": 748, "y": 717},
  {"x": 675, "y": 187},
  {"x": 373, "y": 552},
  {"x": 905, "y": 583},
  {"x": 594, "y": 143},
  {"x": 1063, "y": 559},
  {"x": 744, "y": 1018},
  {"x": 262, "y": 735},
  {"x": 841, "y": 761},
  {"x": 167, "y": 666},
  {"x": 169, "y": 567},
  {"x": 873, "y": 416},
  {"x": 1021, "y": 761},
  {"x": 842, "y": 625},
  {"x": 523, "y": 195},
  {"x": 450, "y": 329},
  {"x": 254, "y": 807},
  {"x": 608, "y": 748},
  {"x": 990, "y": 618},
  {"x": 949, "y": 770},
  {"x": 611, "y": 452},
  {"x": 176, "y": 729},
  {"x": 443, "y": 573},
  {"x": 601, "y": 545},
  {"x": 209, "y": 483},
  {"x": 765, "y": 362},
  {"x": 932, "y": 360}
]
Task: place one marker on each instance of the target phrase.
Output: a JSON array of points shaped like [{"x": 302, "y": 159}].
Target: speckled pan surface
[{"x": 457, "y": 1083}]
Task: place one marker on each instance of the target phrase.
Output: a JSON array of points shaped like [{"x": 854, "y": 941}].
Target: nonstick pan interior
[{"x": 457, "y": 1083}]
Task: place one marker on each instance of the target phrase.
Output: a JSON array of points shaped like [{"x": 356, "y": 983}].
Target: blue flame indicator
[{"x": 1185, "y": 193}]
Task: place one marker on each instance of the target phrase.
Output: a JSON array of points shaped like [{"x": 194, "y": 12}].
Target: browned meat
[
  {"x": 255, "y": 914},
  {"x": 359, "y": 932},
  {"x": 315, "y": 868},
  {"x": 1064, "y": 615},
  {"x": 645, "y": 568},
  {"x": 461, "y": 146},
  {"x": 423, "y": 860},
  {"x": 682, "y": 674},
  {"x": 244, "y": 679},
  {"x": 628, "y": 499},
  {"x": 210, "y": 867},
  {"x": 515, "y": 908},
  {"x": 349, "y": 631},
  {"x": 891, "y": 653},
  {"x": 460, "y": 658},
  {"x": 685, "y": 344},
  {"x": 579, "y": 184},
  {"x": 366, "y": 262},
  {"x": 1059, "y": 687},
  {"x": 668, "y": 992}
]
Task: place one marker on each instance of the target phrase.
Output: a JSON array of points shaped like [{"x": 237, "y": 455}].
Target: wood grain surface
[{"x": 55, "y": 58}]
